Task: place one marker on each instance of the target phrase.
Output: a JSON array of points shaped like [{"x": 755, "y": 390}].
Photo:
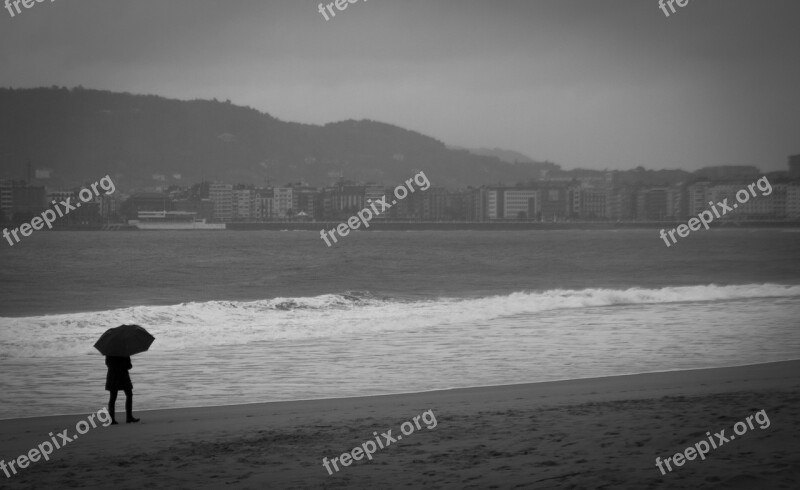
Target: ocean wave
[{"x": 219, "y": 323}]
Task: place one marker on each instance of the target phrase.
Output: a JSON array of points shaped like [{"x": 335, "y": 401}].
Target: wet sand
[{"x": 591, "y": 433}]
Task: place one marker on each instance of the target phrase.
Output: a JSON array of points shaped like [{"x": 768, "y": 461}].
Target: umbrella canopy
[{"x": 124, "y": 341}]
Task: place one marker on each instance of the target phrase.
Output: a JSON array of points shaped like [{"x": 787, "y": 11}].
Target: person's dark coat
[{"x": 118, "y": 377}]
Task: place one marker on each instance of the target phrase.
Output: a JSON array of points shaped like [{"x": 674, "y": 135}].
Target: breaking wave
[{"x": 219, "y": 323}]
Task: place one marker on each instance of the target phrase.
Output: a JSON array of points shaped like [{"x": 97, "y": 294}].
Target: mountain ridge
[{"x": 148, "y": 140}]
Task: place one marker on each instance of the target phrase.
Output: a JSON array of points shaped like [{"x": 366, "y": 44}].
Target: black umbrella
[{"x": 124, "y": 341}]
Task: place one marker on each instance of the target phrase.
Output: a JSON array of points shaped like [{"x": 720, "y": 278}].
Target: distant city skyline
[{"x": 581, "y": 84}]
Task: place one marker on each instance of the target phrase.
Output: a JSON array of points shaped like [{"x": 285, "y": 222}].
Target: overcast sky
[{"x": 583, "y": 83}]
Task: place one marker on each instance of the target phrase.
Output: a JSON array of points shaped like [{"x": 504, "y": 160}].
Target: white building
[
  {"x": 517, "y": 201},
  {"x": 508, "y": 203},
  {"x": 492, "y": 198}
]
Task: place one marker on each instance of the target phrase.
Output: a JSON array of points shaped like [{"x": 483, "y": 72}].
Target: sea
[{"x": 260, "y": 316}]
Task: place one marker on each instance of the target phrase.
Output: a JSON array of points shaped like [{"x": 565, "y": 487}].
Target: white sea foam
[{"x": 221, "y": 323}]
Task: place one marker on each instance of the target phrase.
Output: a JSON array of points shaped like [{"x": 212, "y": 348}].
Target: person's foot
[
  {"x": 114, "y": 422},
  {"x": 131, "y": 420}
]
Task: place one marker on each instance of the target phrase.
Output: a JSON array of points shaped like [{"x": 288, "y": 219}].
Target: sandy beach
[{"x": 590, "y": 433}]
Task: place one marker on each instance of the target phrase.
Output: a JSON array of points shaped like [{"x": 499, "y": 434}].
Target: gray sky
[{"x": 583, "y": 83}]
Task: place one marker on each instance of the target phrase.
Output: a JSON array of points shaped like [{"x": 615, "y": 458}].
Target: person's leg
[
  {"x": 112, "y": 401},
  {"x": 129, "y": 407}
]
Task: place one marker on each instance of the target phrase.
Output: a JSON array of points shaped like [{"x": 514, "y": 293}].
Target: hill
[{"x": 145, "y": 140}]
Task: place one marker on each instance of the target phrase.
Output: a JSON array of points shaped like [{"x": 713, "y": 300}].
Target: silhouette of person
[{"x": 119, "y": 379}]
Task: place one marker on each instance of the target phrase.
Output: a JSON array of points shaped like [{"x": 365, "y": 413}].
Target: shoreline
[
  {"x": 583, "y": 433},
  {"x": 433, "y": 391},
  {"x": 497, "y": 225}
]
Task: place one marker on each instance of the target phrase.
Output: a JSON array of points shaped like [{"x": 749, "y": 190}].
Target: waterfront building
[
  {"x": 593, "y": 203},
  {"x": 575, "y": 200},
  {"x": 793, "y": 200},
  {"x": 373, "y": 192},
  {"x": 405, "y": 209},
  {"x": 222, "y": 197},
  {"x": 676, "y": 202},
  {"x": 494, "y": 204},
  {"x": 794, "y": 167},
  {"x": 306, "y": 199},
  {"x": 457, "y": 206},
  {"x": 348, "y": 198},
  {"x": 244, "y": 203},
  {"x": 765, "y": 207},
  {"x": 475, "y": 204},
  {"x": 19, "y": 198},
  {"x": 62, "y": 195},
  {"x": 717, "y": 193},
  {"x": 651, "y": 204},
  {"x": 553, "y": 203},
  {"x": 520, "y": 203},
  {"x": 199, "y": 191},
  {"x": 282, "y": 202},
  {"x": 511, "y": 203},
  {"x": 435, "y": 202},
  {"x": 326, "y": 198},
  {"x": 759, "y": 207},
  {"x": 264, "y": 209},
  {"x": 344, "y": 199},
  {"x": 698, "y": 195},
  {"x": 6, "y": 199},
  {"x": 109, "y": 206}
]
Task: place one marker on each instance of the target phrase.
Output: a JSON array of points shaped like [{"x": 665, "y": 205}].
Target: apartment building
[
  {"x": 476, "y": 204},
  {"x": 793, "y": 201},
  {"x": 676, "y": 202},
  {"x": 553, "y": 204},
  {"x": 520, "y": 203},
  {"x": 306, "y": 199},
  {"x": 282, "y": 202},
  {"x": 651, "y": 204},
  {"x": 698, "y": 195},
  {"x": 263, "y": 206},
  {"x": 222, "y": 197},
  {"x": 593, "y": 202},
  {"x": 244, "y": 204}
]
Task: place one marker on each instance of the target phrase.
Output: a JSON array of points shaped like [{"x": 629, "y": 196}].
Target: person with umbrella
[
  {"x": 118, "y": 345},
  {"x": 117, "y": 379}
]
